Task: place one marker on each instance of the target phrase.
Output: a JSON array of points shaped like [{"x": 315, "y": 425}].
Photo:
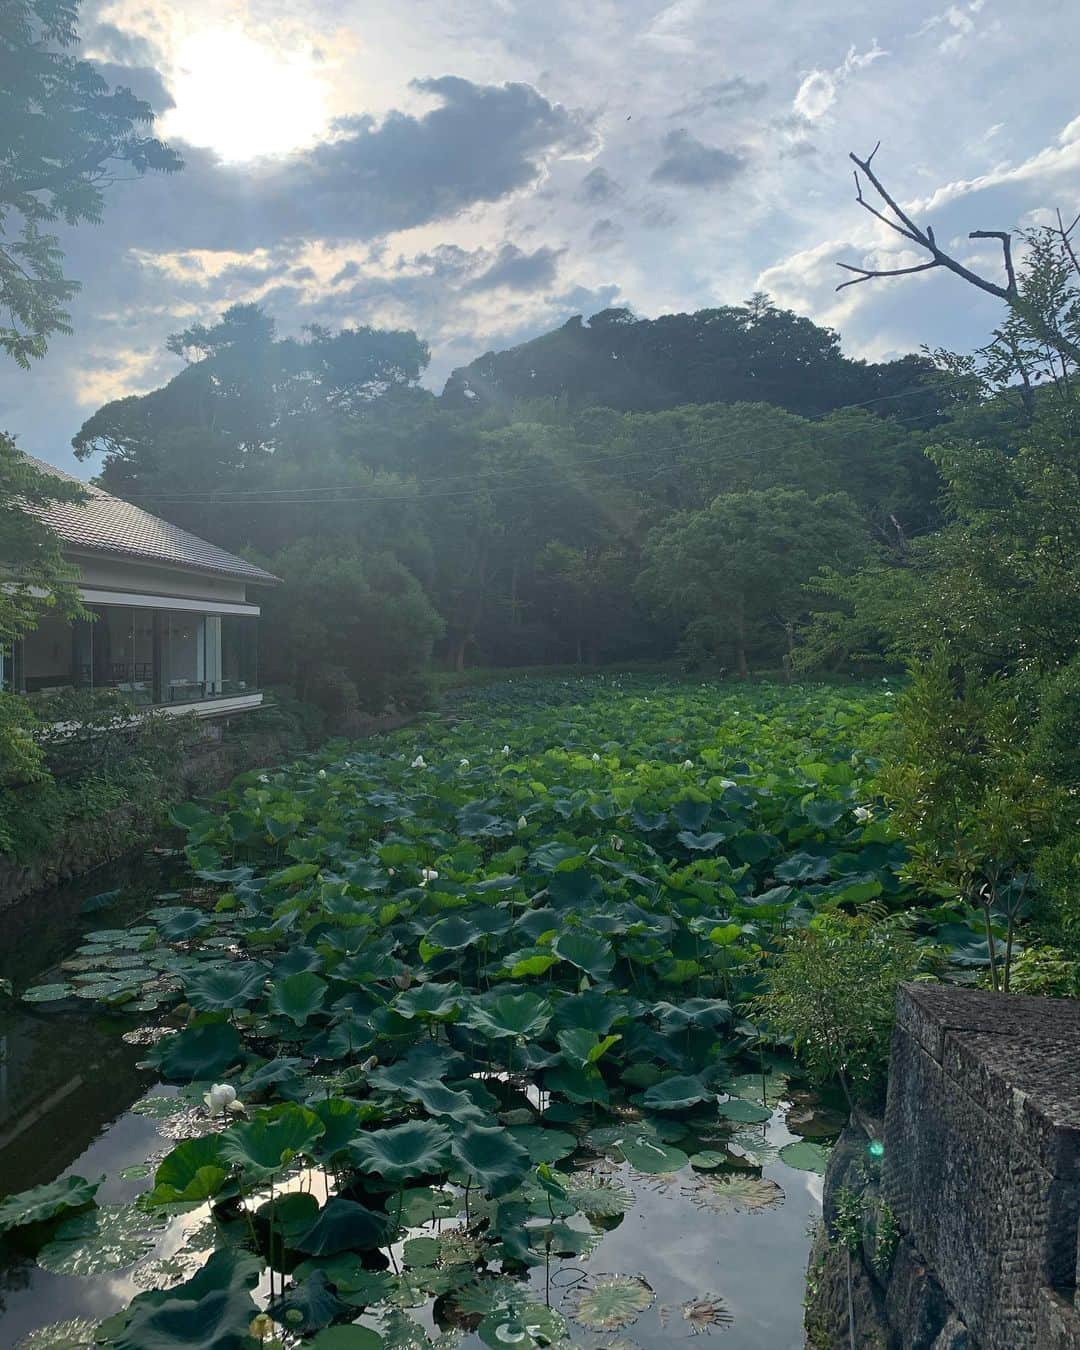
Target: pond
[{"x": 509, "y": 1069}]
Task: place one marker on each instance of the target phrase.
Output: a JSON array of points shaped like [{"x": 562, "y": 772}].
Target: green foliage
[
  {"x": 974, "y": 808},
  {"x": 65, "y": 133},
  {"x": 363, "y": 613},
  {"x": 742, "y": 564},
  {"x": 832, "y": 993}
]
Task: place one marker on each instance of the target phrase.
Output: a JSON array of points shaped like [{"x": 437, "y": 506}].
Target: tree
[
  {"x": 66, "y": 135},
  {"x": 738, "y": 353},
  {"x": 362, "y": 613},
  {"x": 33, "y": 577},
  {"x": 741, "y": 565}
]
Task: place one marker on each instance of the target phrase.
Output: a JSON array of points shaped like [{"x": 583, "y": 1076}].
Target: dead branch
[{"x": 896, "y": 218}]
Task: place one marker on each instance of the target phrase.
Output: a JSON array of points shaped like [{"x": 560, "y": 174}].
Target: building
[{"x": 173, "y": 626}]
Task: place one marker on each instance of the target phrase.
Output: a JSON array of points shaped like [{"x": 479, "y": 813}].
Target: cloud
[
  {"x": 518, "y": 271},
  {"x": 598, "y": 186},
  {"x": 733, "y": 92},
  {"x": 819, "y": 88},
  {"x": 957, "y": 22},
  {"x": 688, "y": 162},
  {"x": 145, "y": 82},
  {"x": 605, "y": 233}
]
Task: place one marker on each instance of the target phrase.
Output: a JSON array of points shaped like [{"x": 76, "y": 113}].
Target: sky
[{"x": 481, "y": 171}]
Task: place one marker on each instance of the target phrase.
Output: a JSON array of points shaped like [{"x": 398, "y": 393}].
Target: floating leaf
[
  {"x": 222, "y": 987},
  {"x": 650, "y": 1155},
  {"x": 599, "y": 1196},
  {"x": 736, "y": 1191},
  {"x": 806, "y": 1156},
  {"x": 78, "y": 1333},
  {"x": 47, "y": 993},
  {"x": 746, "y": 1113},
  {"x": 199, "y": 1051},
  {"x": 608, "y": 1302},
  {"x": 343, "y": 1226},
  {"x": 110, "y": 1238}
]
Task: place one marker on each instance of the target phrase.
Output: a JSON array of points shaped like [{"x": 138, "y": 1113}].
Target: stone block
[{"x": 982, "y": 1150}]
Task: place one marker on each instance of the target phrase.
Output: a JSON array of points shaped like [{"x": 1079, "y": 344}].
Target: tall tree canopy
[
  {"x": 65, "y": 135},
  {"x": 753, "y": 353}
]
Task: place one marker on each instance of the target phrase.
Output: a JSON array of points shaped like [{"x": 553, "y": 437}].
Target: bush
[{"x": 832, "y": 993}]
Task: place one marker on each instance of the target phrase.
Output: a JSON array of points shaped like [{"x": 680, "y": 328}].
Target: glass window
[
  {"x": 47, "y": 656},
  {"x": 183, "y": 656},
  {"x": 239, "y": 655}
]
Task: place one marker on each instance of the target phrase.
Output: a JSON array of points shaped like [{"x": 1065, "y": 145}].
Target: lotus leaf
[
  {"x": 110, "y": 1238},
  {"x": 491, "y": 1157},
  {"x": 202, "y": 1050},
  {"x": 343, "y": 1226},
  {"x": 609, "y": 1302},
  {"x": 221, "y": 987},
  {"x": 192, "y": 1172},
  {"x": 308, "y": 1305},
  {"x": 272, "y": 1139},
  {"x": 806, "y": 1156},
  {"x": 41, "y": 1203},
  {"x": 587, "y": 951},
  {"x": 746, "y": 1113},
  {"x": 678, "y": 1093},
  {"x": 522, "y": 1015},
  {"x": 416, "y": 1149},
  {"x": 212, "y": 1309},
  {"x": 298, "y": 997}
]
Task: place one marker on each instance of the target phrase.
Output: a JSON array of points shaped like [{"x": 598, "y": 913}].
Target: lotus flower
[
  {"x": 428, "y": 874},
  {"x": 863, "y": 813},
  {"x": 522, "y": 823},
  {"x": 418, "y": 763},
  {"x": 463, "y": 764},
  {"x": 369, "y": 1063},
  {"x": 595, "y": 758},
  {"x": 222, "y": 1097},
  {"x": 688, "y": 763},
  {"x": 322, "y": 773},
  {"x": 506, "y": 752}
]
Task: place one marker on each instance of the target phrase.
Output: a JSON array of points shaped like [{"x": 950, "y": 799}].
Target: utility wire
[{"x": 481, "y": 481}]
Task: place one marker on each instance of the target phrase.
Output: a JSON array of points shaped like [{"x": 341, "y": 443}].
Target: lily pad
[
  {"x": 609, "y": 1302},
  {"x": 806, "y": 1156},
  {"x": 110, "y": 1238}
]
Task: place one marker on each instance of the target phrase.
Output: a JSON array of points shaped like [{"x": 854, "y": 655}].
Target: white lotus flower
[
  {"x": 688, "y": 763},
  {"x": 428, "y": 874},
  {"x": 221, "y": 1097},
  {"x": 264, "y": 778},
  {"x": 369, "y": 1063},
  {"x": 889, "y": 693},
  {"x": 418, "y": 763},
  {"x": 463, "y": 764},
  {"x": 506, "y": 752},
  {"x": 595, "y": 758},
  {"x": 322, "y": 773},
  {"x": 863, "y": 813},
  {"x": 522, "y": 824},
  {"x": 616, "y": 843}
]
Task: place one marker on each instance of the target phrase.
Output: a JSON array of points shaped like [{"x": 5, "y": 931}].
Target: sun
[{"x": 243, "y": 99}]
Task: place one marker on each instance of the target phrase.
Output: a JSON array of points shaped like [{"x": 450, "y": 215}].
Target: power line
[{"x": 240, "y": 497}]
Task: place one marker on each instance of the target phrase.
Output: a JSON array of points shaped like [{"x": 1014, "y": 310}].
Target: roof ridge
[{"x": 109, "y": 524}]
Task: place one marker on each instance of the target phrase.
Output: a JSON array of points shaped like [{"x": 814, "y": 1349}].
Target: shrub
[{"x": 832, "y": 992}]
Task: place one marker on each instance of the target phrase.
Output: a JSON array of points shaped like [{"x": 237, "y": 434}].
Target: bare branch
[
  {"x": 1006, "y": 248},
  {"x": 924, "y": 238},
  {"x": 1067, "y": 241},
  {"x": 869, "y": 274}
]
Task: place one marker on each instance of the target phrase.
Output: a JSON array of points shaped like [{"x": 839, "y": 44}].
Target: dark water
[{"x": 68, "y": 1082}]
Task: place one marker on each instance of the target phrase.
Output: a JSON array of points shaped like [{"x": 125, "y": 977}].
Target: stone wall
[
  {"x": 980, "y": 1175},
  {"x": 209, "y": 766}
]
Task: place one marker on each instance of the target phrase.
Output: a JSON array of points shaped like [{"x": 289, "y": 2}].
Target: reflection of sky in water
[{"x": 755, "y": 1262}]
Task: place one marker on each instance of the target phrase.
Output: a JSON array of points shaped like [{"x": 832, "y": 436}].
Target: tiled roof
[{"x": 105, "y": 524}]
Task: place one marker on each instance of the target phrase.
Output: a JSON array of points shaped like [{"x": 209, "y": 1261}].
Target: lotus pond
[{"x": 444, "y": 1038}]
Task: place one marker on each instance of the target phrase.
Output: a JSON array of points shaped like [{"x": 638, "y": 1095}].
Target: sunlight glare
[{"x": 242, "y": 98}]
